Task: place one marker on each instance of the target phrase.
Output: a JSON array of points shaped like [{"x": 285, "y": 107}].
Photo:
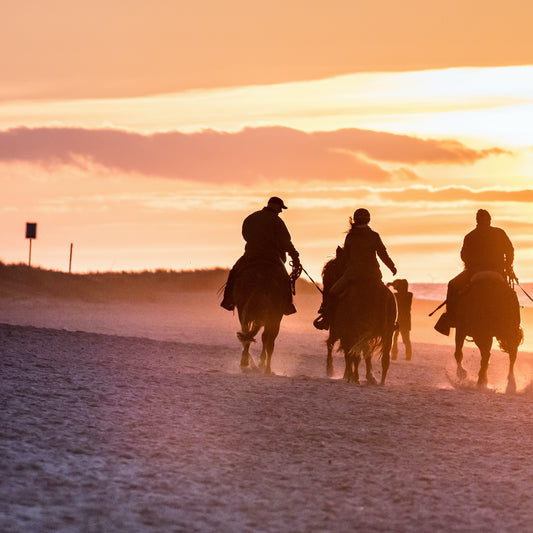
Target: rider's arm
[
  {"x": 284, "y": 238},
  {"x": 384, "y": 256}
]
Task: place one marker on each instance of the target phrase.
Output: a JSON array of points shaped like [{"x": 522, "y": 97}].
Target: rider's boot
[
  {"x": 443, "y": 325},
  {"x": 227, "y": 302},
  {"x": 321, "y": 322},
  {"x": 289, "y": 309}
]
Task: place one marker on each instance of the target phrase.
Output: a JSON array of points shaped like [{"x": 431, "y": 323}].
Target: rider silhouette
[
  {"x": 486, "y": 248},
  {"x": 267, "y": 239},
  {"x": 362, "y": 246}
]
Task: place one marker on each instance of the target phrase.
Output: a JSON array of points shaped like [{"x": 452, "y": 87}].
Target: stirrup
[{"x": 321, "y": 323}]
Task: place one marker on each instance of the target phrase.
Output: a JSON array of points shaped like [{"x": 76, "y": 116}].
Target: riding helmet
[{"x": 361, "y": 216}]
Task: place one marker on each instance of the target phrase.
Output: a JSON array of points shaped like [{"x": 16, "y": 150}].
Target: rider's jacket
[
  {"x": 266, "y": 235},
  {"x": 487, "y": 248},
  {"x": 361, "y": 246}
]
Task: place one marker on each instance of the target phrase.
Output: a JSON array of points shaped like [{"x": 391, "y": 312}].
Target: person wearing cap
[
  {"x": 267, "y": 238},
  {"x": 485, "y": 248},
  {"x": 362, "y": 247}
]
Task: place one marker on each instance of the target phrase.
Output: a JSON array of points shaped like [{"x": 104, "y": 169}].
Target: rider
[
  {"x": 267, "y": 238},
  {"x": 485, "y": 248},
  {"x": 362, "y": 246}
]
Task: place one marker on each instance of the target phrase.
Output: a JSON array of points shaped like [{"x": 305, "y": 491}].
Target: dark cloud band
[{"x": 247, "y": 156}]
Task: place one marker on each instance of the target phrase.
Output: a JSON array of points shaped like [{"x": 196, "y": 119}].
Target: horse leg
[
  {"x": 270, "y": 333},
  {"x": 511, "y": 383},
  {"x": 385, "y": 356},
  {"x": 458, "y": 354},
  {"x": 263, "y": 356},
  {"x": 370, "y": 378},
  {"x": 351, "y": 372},
  {"x": 348, "y": 368},
  {"x": 484, "y": 346},
  {"x": 245, "y": 355},
  {"x": 246, "y": 336},
  {"x": 356, "y": 359},
  {"x": 329, "y": 360},
  {"x": 394, "y": 350}
]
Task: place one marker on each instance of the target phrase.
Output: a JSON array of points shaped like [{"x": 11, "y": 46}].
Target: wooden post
[
  {"x": 70, "y": 259},
  {"x": 29, "y": 258}
]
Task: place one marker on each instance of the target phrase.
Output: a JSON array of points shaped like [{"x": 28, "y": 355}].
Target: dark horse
[
  {"x": 488, "y": 308},
  {"x": 363, "y": 320},
  {"x": 260, "y": 295}
]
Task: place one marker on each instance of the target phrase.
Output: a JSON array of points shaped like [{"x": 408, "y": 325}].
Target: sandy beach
[{"x": 134, "y": 416}]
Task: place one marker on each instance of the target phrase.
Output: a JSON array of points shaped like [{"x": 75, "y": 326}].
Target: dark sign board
[{"x": 31, "y": 230}]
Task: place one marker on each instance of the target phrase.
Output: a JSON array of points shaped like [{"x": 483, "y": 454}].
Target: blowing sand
[{"x": 135, "y": 417}]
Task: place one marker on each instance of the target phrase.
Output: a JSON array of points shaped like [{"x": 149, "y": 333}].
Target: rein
[
  {"x": 299, "y": 268},
  {"x": 524, "y": 291}
]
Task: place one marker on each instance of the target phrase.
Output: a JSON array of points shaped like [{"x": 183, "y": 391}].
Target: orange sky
[
  {"x": 108, "y": 138},
  {"x": 121, "y": 48}
]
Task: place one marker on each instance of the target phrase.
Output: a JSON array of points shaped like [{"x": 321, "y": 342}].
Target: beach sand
[{"x": 135, "y": 416}]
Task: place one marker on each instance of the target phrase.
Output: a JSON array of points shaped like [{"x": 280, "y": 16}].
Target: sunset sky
[{"x": 144, "y": 132}]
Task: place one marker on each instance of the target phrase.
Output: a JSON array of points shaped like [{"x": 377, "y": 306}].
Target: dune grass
[{"x": 20, "y": 280}]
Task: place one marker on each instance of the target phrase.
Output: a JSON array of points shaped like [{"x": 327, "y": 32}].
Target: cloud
[
  {"x": 248, "y": 156},
  {"x": 382, "y": 146},
  {"x": 458, "y": 194},
  {"x": 445, "y": 198}
]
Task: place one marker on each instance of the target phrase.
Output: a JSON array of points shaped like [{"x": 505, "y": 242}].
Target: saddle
[
  {"x": 259, "y": 267},
  {"x": 266, "y": 274}
]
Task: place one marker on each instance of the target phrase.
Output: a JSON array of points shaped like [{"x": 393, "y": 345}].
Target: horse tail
[
  {"x": 249, "y": 329},
  {"x": 509, "y": 342},
  {"x": 246, "y": 336}
]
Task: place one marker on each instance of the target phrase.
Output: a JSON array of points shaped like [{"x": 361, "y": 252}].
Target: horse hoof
[
  {"x": 511, "y": 386},
  {"x": 371, "y": 380},
  {"x": 461, "y": 374}
]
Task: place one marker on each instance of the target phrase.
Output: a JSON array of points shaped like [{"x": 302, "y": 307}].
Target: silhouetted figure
[
  {"x": 362, "y": 247},
  {"x": 267, "y": 240},
  {"x": 486, "y": 248},
  {"x": 404, "y": 299}
]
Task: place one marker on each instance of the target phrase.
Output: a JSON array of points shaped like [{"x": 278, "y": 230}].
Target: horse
[
  {"x": 364, "y": 320},
  {"x": 488, "y": 308},
  {"x": 260, "y": 295}
]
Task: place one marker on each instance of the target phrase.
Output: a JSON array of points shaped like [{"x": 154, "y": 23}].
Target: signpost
[{"x": 31, "y": 233}]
